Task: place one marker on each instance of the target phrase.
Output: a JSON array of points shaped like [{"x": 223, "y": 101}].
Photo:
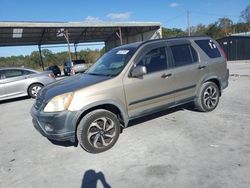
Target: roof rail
[{"x": 170, "y": 38}]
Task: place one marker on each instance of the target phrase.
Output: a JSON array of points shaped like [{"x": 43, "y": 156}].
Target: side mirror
[{"x": 138, "y": 71}]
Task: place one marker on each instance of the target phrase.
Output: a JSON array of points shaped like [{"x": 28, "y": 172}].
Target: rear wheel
[
  {"x": 208, "y": 97},
  {"x": 98, "y": 131},
  {"x": 34, "y": 89}
]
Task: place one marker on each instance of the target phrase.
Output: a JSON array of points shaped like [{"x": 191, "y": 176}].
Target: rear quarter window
[{"x": 209, "y": 47}]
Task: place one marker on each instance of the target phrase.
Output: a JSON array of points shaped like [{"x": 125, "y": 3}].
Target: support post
[
  {"x": 120, "y": 35},
  {"x": 120, "y": 31},
  {"x": 188, "y": 23},
  {"x": 41, "y": 57},
  {"x": 75, "y": 46},
  {"x": 66, "y": 35}
]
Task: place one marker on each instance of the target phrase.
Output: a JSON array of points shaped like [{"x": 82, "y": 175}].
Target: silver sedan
[{"x": 18, "y": 82}]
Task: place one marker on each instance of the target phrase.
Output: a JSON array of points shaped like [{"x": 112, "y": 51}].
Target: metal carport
[{"x": 48, "y": 33}]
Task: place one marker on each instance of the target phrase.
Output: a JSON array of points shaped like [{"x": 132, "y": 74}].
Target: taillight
[
  {"x": 72, "y": 71},
  {"x": 51, "y": 75},
  {"x": 223, "y": 53}
]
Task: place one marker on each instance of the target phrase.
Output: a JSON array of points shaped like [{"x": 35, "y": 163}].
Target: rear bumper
[
  {"x": 55, "y": 126},
  {"x": 224, "y": 83}
]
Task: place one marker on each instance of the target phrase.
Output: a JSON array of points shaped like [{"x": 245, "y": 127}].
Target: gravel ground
[
  {"x": 176, "y": 148},
  {"x": 239, "y": 68}
]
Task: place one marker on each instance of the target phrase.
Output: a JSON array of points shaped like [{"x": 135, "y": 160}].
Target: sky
[{"x": 171, "y": 14}]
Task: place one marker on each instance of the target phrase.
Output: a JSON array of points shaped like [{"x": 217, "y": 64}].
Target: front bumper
[{"x": 59, "y": 126}]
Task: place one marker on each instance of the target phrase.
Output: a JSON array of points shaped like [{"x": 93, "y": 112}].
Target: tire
[
  {"x": 34, "y": 89},
  {"x": 208, "y": 97},
  {"x": 98, "y": 131},
  {"x": 65, "y": 73}
]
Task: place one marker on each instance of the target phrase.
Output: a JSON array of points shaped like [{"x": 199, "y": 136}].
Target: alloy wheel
[
  {"x": 211, "y": 97},
  {"x": 35, "y": 90},
  {"x": 101, "y": 132}
]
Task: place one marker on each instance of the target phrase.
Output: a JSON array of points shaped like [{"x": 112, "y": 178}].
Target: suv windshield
[{"x": 112, "y": 63}]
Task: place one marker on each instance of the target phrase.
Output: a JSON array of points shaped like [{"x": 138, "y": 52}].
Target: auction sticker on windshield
[{"x": 123, "y": 52}]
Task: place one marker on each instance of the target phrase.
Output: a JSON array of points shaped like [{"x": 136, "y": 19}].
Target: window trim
[{"x": 195, "y": 51}]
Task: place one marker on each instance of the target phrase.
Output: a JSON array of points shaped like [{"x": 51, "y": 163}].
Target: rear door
[
  {"x": 15, "y": 81},
  {"x": 212, "y": 54},
  {"x": 154, "y": 89},
  {"x": 188, "y": 71}
]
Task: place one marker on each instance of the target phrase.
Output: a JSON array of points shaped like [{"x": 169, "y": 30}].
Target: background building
[{"x": 236, "y": 46}]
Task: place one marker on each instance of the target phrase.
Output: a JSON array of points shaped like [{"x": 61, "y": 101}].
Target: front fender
[{"x": 96, "y": 103}]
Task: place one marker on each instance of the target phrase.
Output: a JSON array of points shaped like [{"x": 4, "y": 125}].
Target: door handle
[
  {"x": 201, "y": 67},
  {"x": 166, "y": 75}
]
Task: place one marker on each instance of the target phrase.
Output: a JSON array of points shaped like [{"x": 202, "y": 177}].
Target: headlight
[{"x": 59, "y": 103}]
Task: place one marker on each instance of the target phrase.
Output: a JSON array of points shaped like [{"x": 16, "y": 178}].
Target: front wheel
[
  {"x": 98, "y": 131},
  {"x": 208, "y": 97}
]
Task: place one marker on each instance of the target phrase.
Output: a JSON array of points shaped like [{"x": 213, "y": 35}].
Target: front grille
[{"x": 38, "y": 103}]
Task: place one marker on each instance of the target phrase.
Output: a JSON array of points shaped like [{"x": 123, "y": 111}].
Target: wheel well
[
  {"x": 216, "y": 81},
  {"x": 33, "y": 84},
  {"x": 110, "y": 107}
]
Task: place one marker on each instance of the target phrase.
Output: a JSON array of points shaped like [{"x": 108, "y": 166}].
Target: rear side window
[
  {"x": 209, "y": 47},
  {"x": 76, "y": 62},
  {"x": 26, "y": 72},
  {"x": 184, "y": 55}
]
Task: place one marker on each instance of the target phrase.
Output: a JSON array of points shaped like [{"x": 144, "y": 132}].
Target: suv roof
[{"x": 138, "y": 44}]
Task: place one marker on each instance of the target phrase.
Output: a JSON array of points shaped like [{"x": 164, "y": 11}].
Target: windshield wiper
[
  {"x": 95, "y": 74},
  {"x": 92, "y": 74}
]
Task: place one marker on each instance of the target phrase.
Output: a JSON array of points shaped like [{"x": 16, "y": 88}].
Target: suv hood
[{"x": 70, "y": 84}]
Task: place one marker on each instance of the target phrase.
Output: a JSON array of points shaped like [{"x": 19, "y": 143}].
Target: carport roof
[{"x": 45, "y": 33}]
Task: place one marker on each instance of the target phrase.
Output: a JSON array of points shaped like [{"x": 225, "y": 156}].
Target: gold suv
[{"x": 128, "y": 82}]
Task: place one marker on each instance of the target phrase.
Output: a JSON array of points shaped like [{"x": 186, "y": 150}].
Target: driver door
[{"x": 154, "y": 89}]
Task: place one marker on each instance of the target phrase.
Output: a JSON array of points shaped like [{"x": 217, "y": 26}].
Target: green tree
[
  {"x": 166, "y": 33},
  {"x": 214, "y": 31},
  {"x": 225, "y": 24},
  {"x": 245, "y": 14},
  {"x": 200, "y": 29},
  {"x": 35, "y": 60},
  {"x": 240, "y": 27}
]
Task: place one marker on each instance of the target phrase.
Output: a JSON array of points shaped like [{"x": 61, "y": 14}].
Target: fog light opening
[{"x": 48, "y": 128}]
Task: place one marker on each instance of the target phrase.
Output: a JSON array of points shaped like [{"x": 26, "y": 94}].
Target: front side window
[
  {"x": 12, "y": 73},
  {"x": 184, "y": 55},
  {"x": 111, "y": 63},
  {"x": 155, "y": 60}
]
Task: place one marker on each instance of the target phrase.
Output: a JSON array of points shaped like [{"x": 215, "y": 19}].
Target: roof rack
[{"x": 171, "y": 38}]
